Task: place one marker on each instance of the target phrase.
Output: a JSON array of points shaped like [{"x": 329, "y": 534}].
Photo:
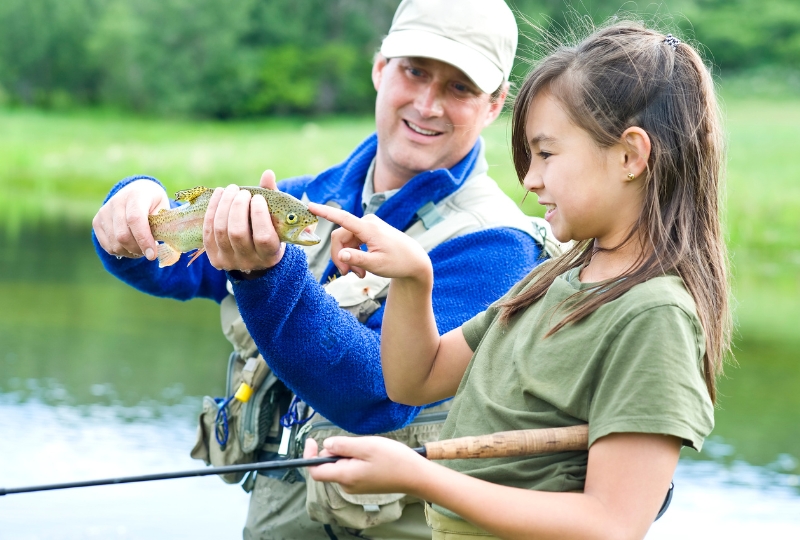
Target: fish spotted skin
[{"x": 181, "y": 229}]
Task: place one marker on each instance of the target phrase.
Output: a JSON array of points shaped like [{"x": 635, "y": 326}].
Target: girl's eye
[
  {"x": 291, "y": 219},
  {"x": 544, "y": 155}
]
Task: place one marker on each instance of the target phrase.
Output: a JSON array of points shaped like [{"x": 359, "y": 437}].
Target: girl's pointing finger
[{"x": 340, "y": 217}]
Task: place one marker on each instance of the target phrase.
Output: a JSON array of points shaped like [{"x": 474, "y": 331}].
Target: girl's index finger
[{"x": 340, "y": 217}]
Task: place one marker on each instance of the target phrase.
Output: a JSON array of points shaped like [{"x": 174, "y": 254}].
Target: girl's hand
[
  {"x": 391, "y": 253},
  {"x": 378, "y": 465}
]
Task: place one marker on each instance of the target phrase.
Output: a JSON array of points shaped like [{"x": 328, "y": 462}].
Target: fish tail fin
[
  {"x": 167, "y": 255},
  {"x": 196, "y": 254}
]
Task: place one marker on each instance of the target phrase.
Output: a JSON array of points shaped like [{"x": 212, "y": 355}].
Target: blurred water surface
[{"x": 98, "y": 380}]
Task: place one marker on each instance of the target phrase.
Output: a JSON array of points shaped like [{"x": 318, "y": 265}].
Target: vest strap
[{"x": 429, "y": 215}]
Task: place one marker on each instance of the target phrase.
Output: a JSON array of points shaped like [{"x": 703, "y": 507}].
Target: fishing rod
[{"x": 525, "y": 442}]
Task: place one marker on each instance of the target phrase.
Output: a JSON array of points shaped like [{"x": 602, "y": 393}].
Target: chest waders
[{"x": 289, "y": 505}]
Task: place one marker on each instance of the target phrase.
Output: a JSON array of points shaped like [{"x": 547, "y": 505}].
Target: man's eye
[
  {"x": 462, "y": 88},
  {"x": 415, "y": 72}
]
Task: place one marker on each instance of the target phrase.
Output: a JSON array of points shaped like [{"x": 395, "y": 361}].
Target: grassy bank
[{"x": 60, "y": 166}]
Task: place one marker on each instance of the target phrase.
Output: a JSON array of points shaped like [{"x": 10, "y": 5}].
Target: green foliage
[
  {"x": 744, "y": 34},
  {"x": 192, "y": 57},
  {"x": 258, "y": 57},
  {"x": 43, "y": 50}
]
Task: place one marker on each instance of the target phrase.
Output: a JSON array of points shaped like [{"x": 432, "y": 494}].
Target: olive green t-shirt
[{"x": 634, "y": 366}]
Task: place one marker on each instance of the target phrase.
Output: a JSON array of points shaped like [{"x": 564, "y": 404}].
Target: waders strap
[
  {"x": 667, "y": 500},
  {"x": 329, "y": 532}
]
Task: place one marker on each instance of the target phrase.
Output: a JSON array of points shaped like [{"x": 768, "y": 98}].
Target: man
[{"x": 441, "y": 76}]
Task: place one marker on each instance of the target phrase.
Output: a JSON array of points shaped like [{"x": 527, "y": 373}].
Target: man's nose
[{"x": 429, "y": 102}]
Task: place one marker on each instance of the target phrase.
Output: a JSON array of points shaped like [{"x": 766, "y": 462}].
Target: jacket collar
[{"x": 344, "y": 183}]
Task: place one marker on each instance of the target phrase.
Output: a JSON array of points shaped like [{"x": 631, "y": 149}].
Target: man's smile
[{"x": 417, "y": 129}]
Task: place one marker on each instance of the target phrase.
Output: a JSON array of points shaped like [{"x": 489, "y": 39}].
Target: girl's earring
[{"x": 631, "y": 176}]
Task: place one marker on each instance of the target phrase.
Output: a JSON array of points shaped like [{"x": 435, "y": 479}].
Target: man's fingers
[
  {"x": 268, "y": 180},
  {"x": 265, "y": 238},
  {"x": 122, "y": 241},
  {"x": 139, "y": 227},
  {"x": 239, "y": 233},
  {"x": 221, "y": 217},
  {"x": 100, "y": 232},
  {"x": 209, "y": 240}
]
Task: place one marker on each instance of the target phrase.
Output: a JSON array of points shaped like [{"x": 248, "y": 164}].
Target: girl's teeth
[{"x": 420, "y": 130}]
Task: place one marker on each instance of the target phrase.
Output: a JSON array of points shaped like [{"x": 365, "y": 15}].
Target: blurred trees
[{"x": 254, "y": 57}]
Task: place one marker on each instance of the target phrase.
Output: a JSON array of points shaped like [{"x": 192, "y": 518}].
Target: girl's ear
[{"x": 636, "y": 143}]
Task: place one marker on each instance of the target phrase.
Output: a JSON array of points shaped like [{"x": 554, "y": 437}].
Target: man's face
[{"x": 428, "y": 115}]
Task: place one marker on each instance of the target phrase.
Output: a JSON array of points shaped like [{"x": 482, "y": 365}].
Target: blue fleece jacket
[{"x": 321, "y": 352}]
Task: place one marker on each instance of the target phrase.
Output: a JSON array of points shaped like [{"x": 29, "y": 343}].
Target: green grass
[{"x": 60, "y": 166}]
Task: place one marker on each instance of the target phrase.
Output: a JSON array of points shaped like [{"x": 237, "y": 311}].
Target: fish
[{"x": 180, "y": 230}]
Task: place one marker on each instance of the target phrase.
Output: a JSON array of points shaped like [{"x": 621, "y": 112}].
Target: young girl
[{"x": 619, "y": 137}]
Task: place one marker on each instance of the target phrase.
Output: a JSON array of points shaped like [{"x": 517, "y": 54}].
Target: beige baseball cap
[{"x": 479, "y": 37}]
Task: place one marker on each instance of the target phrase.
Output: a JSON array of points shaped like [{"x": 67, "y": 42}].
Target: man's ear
[
  {"x": 377, "y": 70},
  {"x": 496, "y": 105},
  {"x": 636, "y": 150}
]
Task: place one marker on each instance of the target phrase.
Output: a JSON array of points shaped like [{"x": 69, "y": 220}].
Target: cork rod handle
[{"x": 512, "y": 443}]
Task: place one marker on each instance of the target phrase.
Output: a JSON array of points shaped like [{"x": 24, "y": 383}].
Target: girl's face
[{"x": 585, "y": 188}]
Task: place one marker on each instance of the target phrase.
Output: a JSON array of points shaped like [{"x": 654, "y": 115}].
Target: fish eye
[{"x": 291, "y": 218}]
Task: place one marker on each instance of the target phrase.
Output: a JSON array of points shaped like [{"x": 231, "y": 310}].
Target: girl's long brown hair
[{"x": 625, "y": 75}]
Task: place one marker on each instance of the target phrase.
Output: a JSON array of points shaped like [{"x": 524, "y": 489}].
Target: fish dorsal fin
[{"x": 189, "y": 195}]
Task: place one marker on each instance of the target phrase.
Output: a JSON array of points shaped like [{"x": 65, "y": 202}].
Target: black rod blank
[{"x": 208, "y": 471}]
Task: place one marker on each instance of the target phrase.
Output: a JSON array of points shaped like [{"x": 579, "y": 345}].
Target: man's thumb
[{"x": 268, "y": 180}]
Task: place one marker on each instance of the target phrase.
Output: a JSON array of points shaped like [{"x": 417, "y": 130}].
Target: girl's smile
[{"x": 551, "y": 208}]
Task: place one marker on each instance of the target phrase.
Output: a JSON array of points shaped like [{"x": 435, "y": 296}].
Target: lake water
[{"x": 97, "y": 381}]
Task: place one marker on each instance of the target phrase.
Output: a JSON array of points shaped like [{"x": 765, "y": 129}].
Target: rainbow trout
[{"x": 181, "y": 229}]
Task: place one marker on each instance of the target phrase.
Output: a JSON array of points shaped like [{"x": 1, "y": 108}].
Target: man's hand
[
  {"x": 238, "y": 233},
  {"x": 121, "y": 225}
]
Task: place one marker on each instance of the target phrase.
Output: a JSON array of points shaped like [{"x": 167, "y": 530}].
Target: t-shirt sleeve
[
  {"x": 652, "y": 379},
  {"x": 475, "y": 328}
]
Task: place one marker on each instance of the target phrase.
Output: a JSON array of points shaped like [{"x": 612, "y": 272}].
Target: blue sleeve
[
  {"x": 177, "y": 281},
  {"x": 332, "y": 361}
]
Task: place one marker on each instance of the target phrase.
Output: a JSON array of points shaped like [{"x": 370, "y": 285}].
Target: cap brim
[{"x": 413, "y": 43}]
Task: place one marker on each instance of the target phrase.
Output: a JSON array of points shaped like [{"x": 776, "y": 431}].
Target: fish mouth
[{"x": 306, "y": 236}]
